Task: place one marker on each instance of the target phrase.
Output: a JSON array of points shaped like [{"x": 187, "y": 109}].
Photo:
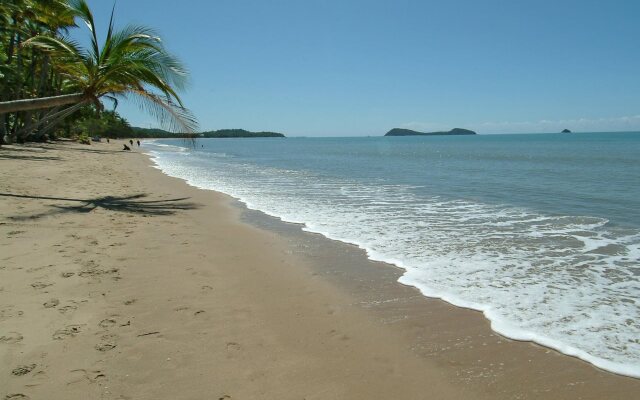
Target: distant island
[
  {"x": 565, "y": 131},
  {"x": 409, "y": 132},
  {"x": 221, "y": 133}
]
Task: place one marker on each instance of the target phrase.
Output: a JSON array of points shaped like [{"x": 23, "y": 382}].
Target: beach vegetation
[
  {"x": 105, "y": 124},
  {"x": 46, "y": 77},
  {"x": 220, "y": 133}
]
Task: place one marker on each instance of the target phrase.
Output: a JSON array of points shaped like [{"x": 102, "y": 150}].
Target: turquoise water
[{"x": 541, "y": 232}]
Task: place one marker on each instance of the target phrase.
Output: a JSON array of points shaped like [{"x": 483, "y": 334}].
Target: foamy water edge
[{"x": 498, "y": 324}]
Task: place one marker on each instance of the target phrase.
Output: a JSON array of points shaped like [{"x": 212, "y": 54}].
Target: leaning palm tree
[{"x": 132, "y": 63}]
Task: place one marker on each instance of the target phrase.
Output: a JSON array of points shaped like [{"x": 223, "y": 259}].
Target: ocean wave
[{"x": 567, "y": 282}]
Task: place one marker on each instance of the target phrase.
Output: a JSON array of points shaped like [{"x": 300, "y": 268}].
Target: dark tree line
[{"x": 48, "y": 82}]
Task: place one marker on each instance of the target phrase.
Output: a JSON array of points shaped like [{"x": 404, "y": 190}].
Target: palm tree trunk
[
  {"x": 3, "y": 123},
  {"x": 3, "y": 129},
  {"x": 26, "y": 130},
  {"x": 43, "y": 75},
  {"x": 12, "y": 42},
  {"x": 19, "y": 62},
  {"x": 40, "y": 103}
]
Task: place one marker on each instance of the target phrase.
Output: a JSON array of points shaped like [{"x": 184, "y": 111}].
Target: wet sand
[{"x": 118, "y": 282}]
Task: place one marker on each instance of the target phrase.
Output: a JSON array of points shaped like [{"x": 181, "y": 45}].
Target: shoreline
[
  {"x": 498, "y": 325},
  {"x": 525, "y": 337},
  {"x": 289, "y": 313}
]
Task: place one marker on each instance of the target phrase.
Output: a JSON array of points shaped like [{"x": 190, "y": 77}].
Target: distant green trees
[
  {"x": 46, "y": 78},
  {"x": 88, "y": 122},
  {"x": 29, "y": 72},
  {"x": 153, "y": 133},
  {"x": 221, "y": 133}
]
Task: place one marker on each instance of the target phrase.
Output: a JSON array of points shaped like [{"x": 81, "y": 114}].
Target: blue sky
[{"x": 347, "y": 68}]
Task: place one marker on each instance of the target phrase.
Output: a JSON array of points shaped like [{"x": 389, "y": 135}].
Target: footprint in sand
[
  {"x": 198, "y": 312},
  {"x": 80, "y": 375},
  {"x": 181, "y": 308},
  {"x": 11, "y": 338},
  {"x": 67, "y": 332},
  {"x": 23, "y": 369},
  {"x": 207, "y": 287},
  {"x": 130, "y": 302},
  {"x": 107, "y": 323},
  {"x": 67, "y": 274},
  {"x": 40, "y": 285},
  {"x": 98, "y": 272},
  {"x": 9, "y": 312},
  {"x": 16, "y": 396},
  {"x": 233, "y": 346},
  {"x": 36, "y": 269},
  {"x": 105, "y": 347},
  {"x": 51, "y": 303},
  {"x": 66, "y": 309}
]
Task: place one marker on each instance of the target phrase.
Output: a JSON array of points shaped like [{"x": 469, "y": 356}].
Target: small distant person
[
  {"x": 107, "y": 140},
  {"x": 126, "y": 147},
  {"x": 137, "y": 141},
  {"x": 131, "y": 143}
]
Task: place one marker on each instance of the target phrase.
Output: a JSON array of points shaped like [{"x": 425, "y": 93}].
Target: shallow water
[{"x": 540, "y": 232}]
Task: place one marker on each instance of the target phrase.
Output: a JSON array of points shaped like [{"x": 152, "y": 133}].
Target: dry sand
[{"x": 117, "y": 282}]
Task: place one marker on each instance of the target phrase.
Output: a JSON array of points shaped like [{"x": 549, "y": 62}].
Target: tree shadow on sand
[
  {"x": 88, "y": 149},
  {"x": 128, "y": 204},
  {"x": 26, "y": 153}
]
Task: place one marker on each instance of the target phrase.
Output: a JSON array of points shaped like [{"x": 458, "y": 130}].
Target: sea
[{"x": 540, "y": 232}]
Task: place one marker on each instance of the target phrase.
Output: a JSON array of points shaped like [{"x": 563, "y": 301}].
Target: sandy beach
[{"x": 118, "y": 282}]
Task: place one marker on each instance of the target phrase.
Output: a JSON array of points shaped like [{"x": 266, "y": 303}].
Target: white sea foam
[
  {"x": 164, "y": 146},
  {"x": 567, "y": 282}
]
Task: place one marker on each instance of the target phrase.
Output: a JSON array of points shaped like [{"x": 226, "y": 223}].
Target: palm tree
[{"x": 131, "y": 63}]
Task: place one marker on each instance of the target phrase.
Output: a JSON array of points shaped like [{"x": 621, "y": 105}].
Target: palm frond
[
  {"x": 170, "y": 115},
  {"x": 130, "y": 62},
  {"x": 60, "y": 46},
  {"x": 82, "y": 11}
]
